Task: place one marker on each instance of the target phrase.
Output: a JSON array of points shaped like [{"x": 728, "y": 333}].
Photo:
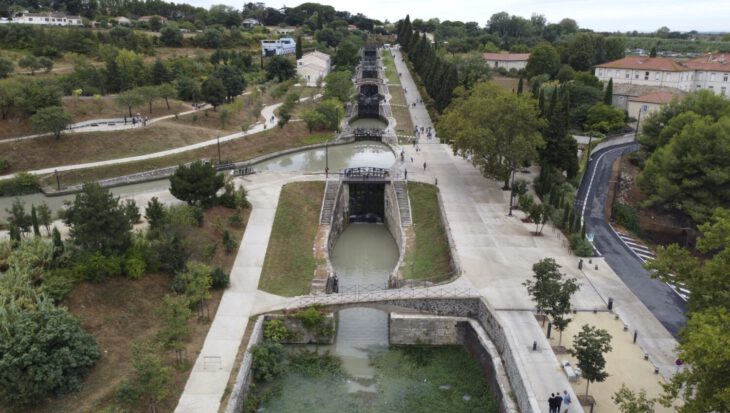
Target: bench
[{"x": 573, "y": 374}]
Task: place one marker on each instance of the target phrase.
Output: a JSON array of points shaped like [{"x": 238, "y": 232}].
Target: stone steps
[
  {"x": 404, "y": 204},
  {"x": 328, "y": 203}
]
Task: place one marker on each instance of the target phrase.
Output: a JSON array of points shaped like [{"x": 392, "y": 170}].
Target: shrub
[
  {"x": 22, "y": 183},
  {"x": 311, "y": 317},
  {"x": 228, "y": 242},
  {"x": 59, "y": 282},
  {"x": 98, "y": 267},
  {"x": 44, "y": 351},
  {"x": 525, "y": 202},
  {"x": 4, "y": 163},
  {"x": 134, "y": 267},
  {"x": 627, "y": 216},
  {"x": 276, "y": 331},
  {"x": 267, "y": 360},
  {"x": 580, "y": 246},
  {"x": 131, "y": 211},
  {"x": 220, "y": 279}
]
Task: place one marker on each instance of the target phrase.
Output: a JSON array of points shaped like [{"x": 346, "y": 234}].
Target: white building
[
  {"x": 642, "y": 106},
  {"x": 46, "y": 19},
  {"x": 250, "y": 23},
  {"x": 709, "y": 72},
  {"x": 285, "y": 45},
  {"x": 313, "y": 67},
  {"x": 508, "y": 61},
  {"x": 122, "y": 20}
]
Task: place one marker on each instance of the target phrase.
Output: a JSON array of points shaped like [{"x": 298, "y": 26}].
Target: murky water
[
  {"x": 369, "y": 123},
  {"x": 353, "y": 155},
  {"x": 340, "y": 156},
  {"x": 363, "y": 257}
]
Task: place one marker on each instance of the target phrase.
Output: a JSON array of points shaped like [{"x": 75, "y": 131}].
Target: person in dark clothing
[
  {"x": 558, "y": 402},
  {"x": 551, "y": 403}
]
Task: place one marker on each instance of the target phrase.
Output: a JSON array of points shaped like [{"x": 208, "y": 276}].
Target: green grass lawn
[
  {"x": 430, "y": 259},
  {"x": 289, "y": 264},
  {"x": 390, "y": 72}
]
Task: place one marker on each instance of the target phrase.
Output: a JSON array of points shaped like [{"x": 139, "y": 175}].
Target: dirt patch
[
  {"x": 87, "y": 108},
  {"x": 98, "y": 146},
  {"x": 509, "y": 83}
]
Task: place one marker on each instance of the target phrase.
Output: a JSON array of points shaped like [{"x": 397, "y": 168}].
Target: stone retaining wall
[
  {"x": 299, "y": 334},
  {"x": 410, "y": 329},
  {"x": 245, "y": 376}
]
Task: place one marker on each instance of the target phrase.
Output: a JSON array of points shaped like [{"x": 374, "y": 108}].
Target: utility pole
[
  {"x": 512, "y": 191},
  {"x": 638, "y": 125},
  {"x": 219, "y": 148}
]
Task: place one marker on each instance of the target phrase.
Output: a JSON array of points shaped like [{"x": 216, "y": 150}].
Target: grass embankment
[
  {"x": 289, "y": 264},
  {"x": 120, "y": 311},
  {"x": 293, "y": 135},
  {"x": 430, "y": 259},
  {"x": 87, "y": 108},
  {"x": 584, "y": 156},
  {"x": 398, "y": 104}
]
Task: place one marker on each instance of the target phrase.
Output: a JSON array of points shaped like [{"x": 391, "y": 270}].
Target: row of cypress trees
[{"x": 439, "y": 76}]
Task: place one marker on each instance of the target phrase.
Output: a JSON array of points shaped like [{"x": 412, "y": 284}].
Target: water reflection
[{"x": 341, "y": 156}]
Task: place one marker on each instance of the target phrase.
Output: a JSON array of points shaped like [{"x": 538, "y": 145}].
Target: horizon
[{"x": 624, "y": 16}]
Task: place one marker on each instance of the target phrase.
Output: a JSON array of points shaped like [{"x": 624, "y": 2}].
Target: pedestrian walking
[
  {"x": 551, "y": 403},
  {"x": 436, "y": 181},
  {"x": 424, "y": 166},
  {"x": 558, "y": 402},
  {"x": 405, "y": 174},
  {"x": 411, "y": 159},
  {"x": 580, "y": 264},
  {"x": 566, "y": 400}
]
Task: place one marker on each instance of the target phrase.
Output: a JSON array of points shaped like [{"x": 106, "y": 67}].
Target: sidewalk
[{"x": 497, "y": 252}]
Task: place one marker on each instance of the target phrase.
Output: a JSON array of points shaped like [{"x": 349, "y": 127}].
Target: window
[
  {"x": 646, "y": 75},
  {"x": 723, "y": 91},
  {"x": 636, "y": 75},
  {"x": 657, "y": 75},
  {"x": 712, "y": 77},
  {"x": 724, "y": 77},
  {"x": 711, "y": 87},
  {"x": 699, "y": 87},
  {"x": 627, "y": 74}
]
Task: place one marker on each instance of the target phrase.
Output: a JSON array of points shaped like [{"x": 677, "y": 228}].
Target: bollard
[
  {"x": 636, "y": 333},
  {"x": 610, "y": 303},
  {"x": 596, "y": 267},
  {"x": 656, "y": 370},
  {"x": 646, "y": 356},
  {"x": 534, "y": 346},
  {"x": 550, "y": 327},
  {"x": 626, "y": 327},
  {"x": 591, "y": 408}
]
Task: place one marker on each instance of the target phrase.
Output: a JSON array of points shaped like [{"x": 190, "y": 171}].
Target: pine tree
[
  {"x": 519, "y": 86},
  {"x": 608, "y": 96},
  {"x": 652, "y": 53}
]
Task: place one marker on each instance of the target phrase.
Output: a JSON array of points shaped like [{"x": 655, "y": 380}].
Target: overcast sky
[{"x": 611, "y": 15}]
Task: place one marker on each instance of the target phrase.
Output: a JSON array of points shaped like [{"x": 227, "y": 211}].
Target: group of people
[
  {"x": 137, "y": 120},
  {"x": 556, "y": 401},
  {"x": 197, "y": 106},
  {"x": 423, "y": 131}
]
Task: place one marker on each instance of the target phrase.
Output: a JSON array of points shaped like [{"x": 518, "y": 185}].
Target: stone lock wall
[{"x": 409, "y": 329}]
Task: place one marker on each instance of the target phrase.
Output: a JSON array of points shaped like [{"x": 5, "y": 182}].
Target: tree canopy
[
  {"x": 98, "y": 222},
  {"x": 544, "y": 60},
  {"x": 339, "y": 85},
  {"x": 280, "y": 68},
  {"x": 498, "y": 129},
  {"x": 51, "y": 119},
  {"x": 196, "y": 183}
]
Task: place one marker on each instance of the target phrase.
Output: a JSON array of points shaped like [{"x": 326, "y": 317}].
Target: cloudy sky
[{"x": 599, "y": 15}]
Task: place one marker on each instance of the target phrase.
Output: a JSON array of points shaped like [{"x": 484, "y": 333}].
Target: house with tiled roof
[
  {"x": 506, "y": 60},
  {"x": 46, "y": 19},
  {"x": 710, "y": 72},
  {"x": 313, "y": 67},
  {"x": 641, "y": 106}
]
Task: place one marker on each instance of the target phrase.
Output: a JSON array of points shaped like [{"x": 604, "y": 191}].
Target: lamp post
[
  {"x": 58, "y": 180},
  {"x": 588, "y": 155},
  {"x": 326, "y": 160},
  {"x": 512, "y": 191},
  {"x": 219, "y": 148}
]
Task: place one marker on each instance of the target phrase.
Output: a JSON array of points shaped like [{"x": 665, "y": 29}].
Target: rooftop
[
  {"x": 719, "y": 62},
  {"x": 509, "y": 57},
  {"x": 645, "y": 63},
  {"x": 659, "y": 98}
]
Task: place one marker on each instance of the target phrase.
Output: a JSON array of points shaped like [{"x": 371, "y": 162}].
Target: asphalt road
[{"x": 658, "y": 297}]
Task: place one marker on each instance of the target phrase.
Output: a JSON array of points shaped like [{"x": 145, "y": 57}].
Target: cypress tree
[
  {"x": 14, "y": 233},
  {"x": 583, "y": 231},
  {"x": 57, "y": 242},
  {"x": 566, "y": 215},
  {"x": 298, "y": 50},
  {"x": 519, "y": 86},
  {"x": 34, "y": 221},
  {"x": 541, "y": 102},
  {"x": 608, "y": 95}
]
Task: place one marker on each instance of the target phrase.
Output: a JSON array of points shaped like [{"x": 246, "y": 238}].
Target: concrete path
[
  {"x": 497, "y": 252},
  {"x": 209, "y": 377},
  {"x": 267, "y": 113}
]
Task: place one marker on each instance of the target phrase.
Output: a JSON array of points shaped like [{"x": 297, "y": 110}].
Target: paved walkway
[
  {"x": 209, "y": 377},
  {"x": 267, "y": 113},
  {"x": 497, "y": 252}
]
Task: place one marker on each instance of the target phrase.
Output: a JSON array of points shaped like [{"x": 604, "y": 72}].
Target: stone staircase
[
  {"x": 404, "y": 205},
  {"x": 328, "y": 203}
]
